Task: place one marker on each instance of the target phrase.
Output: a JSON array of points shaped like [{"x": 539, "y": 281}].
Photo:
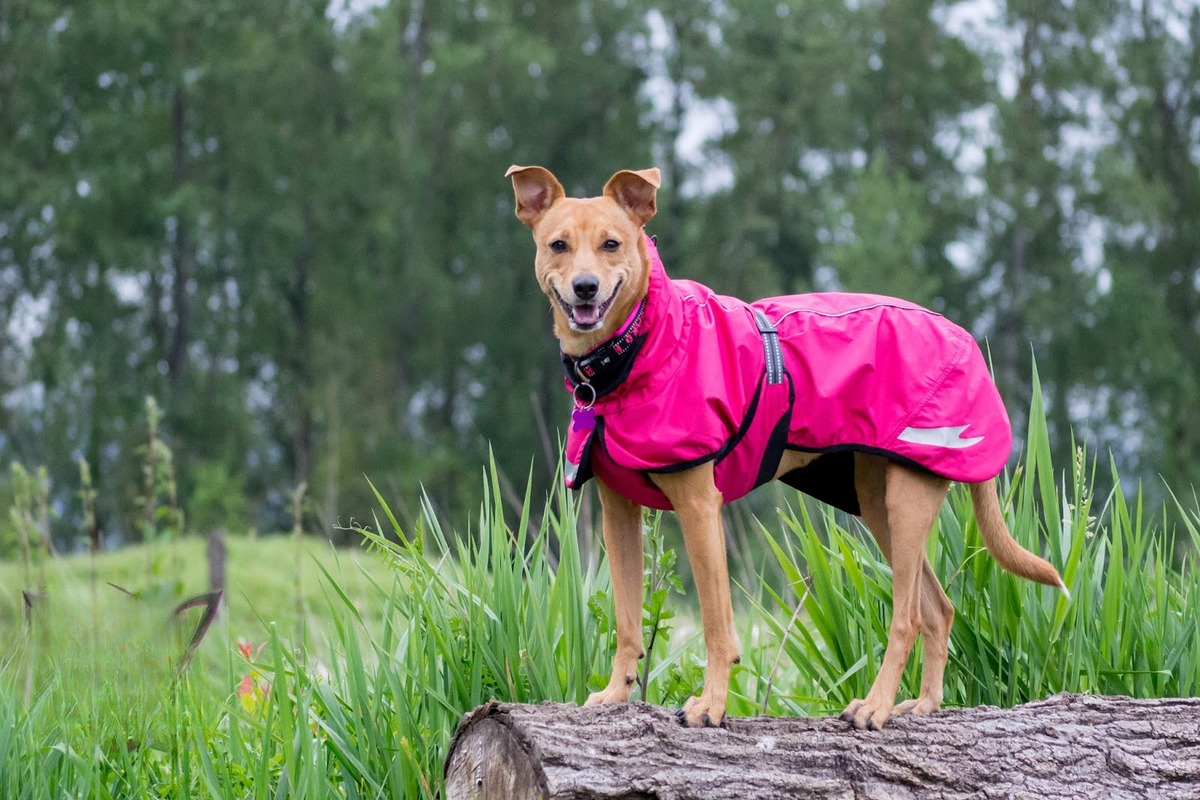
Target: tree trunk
[
  {"x": 183, "y": 252},
  {"x": 1078, "y": 746},
  {"x": 216, "y": 560},
  {"x": 300, "y": 355}
]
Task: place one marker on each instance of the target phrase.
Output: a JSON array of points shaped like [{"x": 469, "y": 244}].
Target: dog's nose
[{"x": 585, "y": 287}]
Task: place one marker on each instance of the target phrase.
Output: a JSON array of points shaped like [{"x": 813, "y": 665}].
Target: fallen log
[{"x": 1068, "y": 746}]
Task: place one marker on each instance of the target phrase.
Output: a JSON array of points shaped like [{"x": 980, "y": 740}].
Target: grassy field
[
  {"x": 361, "y": 701},
  {"x": 260, "y": 580}
]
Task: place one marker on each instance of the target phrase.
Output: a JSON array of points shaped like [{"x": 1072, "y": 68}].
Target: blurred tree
[
  {"x": 1144, "y": 193},
  {"x": 288, "y": 221},
  {"x": 1031, "y": 287}
]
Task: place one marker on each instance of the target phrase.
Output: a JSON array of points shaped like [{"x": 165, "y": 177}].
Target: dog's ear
[
  {"x": 537, "y": 189},
  {"x": 633, "y": 190}
]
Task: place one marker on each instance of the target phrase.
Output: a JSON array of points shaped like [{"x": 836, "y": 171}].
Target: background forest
[{"x": 286, "y": 220}]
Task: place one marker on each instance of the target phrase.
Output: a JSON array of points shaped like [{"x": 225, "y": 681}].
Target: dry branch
[{"x": 1068, "y": 746}]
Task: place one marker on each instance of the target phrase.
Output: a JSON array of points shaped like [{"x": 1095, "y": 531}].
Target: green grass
[{"x": 434, "y": 622}]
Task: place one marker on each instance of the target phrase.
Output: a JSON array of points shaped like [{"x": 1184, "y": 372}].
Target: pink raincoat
[{"x": 718, "y": 379}]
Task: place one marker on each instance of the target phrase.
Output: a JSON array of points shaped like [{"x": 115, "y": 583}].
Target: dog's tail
[{"x": 1002, "y": 546}]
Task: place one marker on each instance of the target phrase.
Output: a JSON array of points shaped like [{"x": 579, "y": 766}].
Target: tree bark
[{"x": 1078, "y": 746}]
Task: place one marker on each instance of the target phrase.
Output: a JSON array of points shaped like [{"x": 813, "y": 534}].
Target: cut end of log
[{"x": 490, "y": 758}]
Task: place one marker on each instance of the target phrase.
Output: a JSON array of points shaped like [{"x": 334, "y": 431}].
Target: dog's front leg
[
  {"x": 623, "y": 539},
  {"x": 698, "y": 503}
]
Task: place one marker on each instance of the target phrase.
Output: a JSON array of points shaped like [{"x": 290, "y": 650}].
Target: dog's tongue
[{"x": 587, "y": 314}]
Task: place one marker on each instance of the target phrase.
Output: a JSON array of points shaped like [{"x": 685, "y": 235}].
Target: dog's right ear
[{"x": 537, "y": 189}]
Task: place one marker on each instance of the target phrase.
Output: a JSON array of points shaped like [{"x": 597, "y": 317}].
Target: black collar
[{"x": 607, "y": 366}]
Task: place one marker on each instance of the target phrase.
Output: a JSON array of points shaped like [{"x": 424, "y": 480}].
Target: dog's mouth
[{"x": 587, "y": 316}]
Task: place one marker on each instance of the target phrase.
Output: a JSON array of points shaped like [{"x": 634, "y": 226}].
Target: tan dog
[{"x": 592, "y": 263}]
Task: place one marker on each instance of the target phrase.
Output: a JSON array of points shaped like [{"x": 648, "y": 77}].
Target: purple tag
[{"x": 583, "y": 419}]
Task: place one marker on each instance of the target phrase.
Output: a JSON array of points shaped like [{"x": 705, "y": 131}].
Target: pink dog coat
[{"x": 704, "y": 377}]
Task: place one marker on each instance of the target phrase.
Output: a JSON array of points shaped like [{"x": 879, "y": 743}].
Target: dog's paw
[
  {"x": 610, "y": 694},
  {"x": 919, "y": 706},
  {"x": 702, "y": 712},
  {"x": 867, "y": 715}
]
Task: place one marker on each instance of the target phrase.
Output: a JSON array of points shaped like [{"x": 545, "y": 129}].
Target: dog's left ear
[{"x": 633, "y": 190}]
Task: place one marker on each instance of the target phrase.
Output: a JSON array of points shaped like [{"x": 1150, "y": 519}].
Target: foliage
[
  {"x": 398, "y": 650},
  {"x": 162, "y": 522},
  {"x": 287, "y": 221},
  {"x": 29, "y": 515},
  {"x": 660, "y": 579},
  {"x": 218, "y": 498}
]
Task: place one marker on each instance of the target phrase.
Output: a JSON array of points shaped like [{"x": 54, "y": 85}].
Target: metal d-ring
[{"x": 575, "y": 396}]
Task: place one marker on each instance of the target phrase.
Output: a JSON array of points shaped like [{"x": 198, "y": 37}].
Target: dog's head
[{"x": 591, "y": 259}]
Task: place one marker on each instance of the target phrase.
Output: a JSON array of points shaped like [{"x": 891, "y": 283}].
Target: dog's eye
[
  {"x": 611, "y": 245},
  {"x": 558, "y": 246}
]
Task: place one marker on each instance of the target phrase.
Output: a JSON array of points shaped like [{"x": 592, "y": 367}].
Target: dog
[{"x": 686, "y": 400}]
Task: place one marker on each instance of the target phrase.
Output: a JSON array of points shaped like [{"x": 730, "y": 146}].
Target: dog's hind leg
[
  {"x": 899, "y": 507},
  {"x": 698, "y": 502},
  {"x": 622, "y": 520},
  {"x": 937, "y": 616},
  {"x": 936, "y": 612}
]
